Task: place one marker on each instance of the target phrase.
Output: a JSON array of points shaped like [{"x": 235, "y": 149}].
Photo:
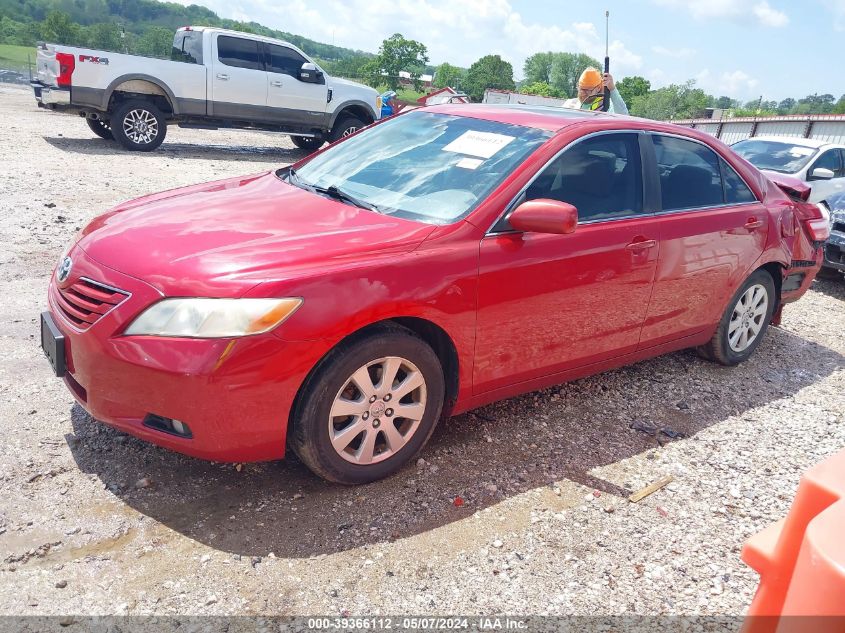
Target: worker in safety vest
[{"x": 591, "y": 87}]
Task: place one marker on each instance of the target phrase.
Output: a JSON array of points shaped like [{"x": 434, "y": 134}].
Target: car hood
[{"x": 222, "y": 238}]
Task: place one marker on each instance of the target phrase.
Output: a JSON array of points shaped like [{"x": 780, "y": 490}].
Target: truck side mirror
[{"x": 310, "y": 74}]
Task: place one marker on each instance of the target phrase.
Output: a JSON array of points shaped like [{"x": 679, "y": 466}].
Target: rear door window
[
  {"x": 600, "y": 176},
  {"x": 736, "y": 191},
  {"x": 690, "y": 174},
  {"x": 239, "y": 52},
  {"x": 284, "y": 60}
]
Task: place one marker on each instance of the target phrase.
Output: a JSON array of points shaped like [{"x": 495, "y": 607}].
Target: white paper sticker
[
  {"x": 469, "y": 163},
  {"x": 801, "y": 151},
  {"x": 481, "y": 144}
]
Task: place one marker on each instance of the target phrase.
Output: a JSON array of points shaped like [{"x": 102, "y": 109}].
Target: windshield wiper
[
  {"x": 331, "y": 191},
  {"x": 343, "y": 196}
]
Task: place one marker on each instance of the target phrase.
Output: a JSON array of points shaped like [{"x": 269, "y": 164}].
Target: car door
[
  {"x": 288, "y": 98},
  {"x": 833, "y": 160},
  {"x": 238, "y": 79},
  {"x": 713, "y": 229},
  {"x": 548, "y": 303}
]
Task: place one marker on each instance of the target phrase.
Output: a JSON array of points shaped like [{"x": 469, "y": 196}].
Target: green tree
[
  {"x": 567, "y": 68},
  {"x": 156, "y": 41},
  {"x": 491, "y": 71},
  {"x": 397, "y": 54},
  {"x": 538, "y": 68},
  {"x": 540, "y": 88},
  {"x": 683, "y": 101},
  {"x": 60, "y": 29},
  {"x": 724, "y": 103},
  {"x": 786, "y": 106},
  {"x": 351, "y": 67},
  {"x": 446, "y": 75},
  {"x": 105, "y": 36},
  {"x": 839, "y": 108},
  {"x": 634, "y": 86}
]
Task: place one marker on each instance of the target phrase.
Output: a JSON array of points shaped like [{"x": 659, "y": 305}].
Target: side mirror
[
  {"x": 309, "y": 73},
  {"x": 821, "y": 173},
  {"x": 544, "y": 216}
]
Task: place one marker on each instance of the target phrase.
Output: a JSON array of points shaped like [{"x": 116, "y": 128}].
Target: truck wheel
[
  {"x": 100, "y": 128},
  {"x": 345, "y": 126},
  {"x": 138, "y": 125},
  {"x": 307, "y": 142}
]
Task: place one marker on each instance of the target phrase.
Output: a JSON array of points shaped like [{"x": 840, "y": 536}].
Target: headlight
[{"x": 212, "y": 318}]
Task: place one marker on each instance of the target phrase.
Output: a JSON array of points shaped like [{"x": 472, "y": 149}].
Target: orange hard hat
[{"x": 590, "y": 78}]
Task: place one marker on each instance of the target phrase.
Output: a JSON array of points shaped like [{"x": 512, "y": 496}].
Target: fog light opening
[{"x": 167, "y": 425}]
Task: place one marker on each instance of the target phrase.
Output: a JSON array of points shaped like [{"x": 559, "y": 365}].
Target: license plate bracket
[{"x": 53, "y": 344}]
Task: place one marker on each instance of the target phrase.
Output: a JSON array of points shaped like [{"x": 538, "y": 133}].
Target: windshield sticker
[
  {"x": 469, "y": 163},
  {"x": 801, "y": 151},
  {"x": 480, "y": 144}
]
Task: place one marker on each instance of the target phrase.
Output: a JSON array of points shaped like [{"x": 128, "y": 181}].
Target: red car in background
[{"x": 443, "y": 259}]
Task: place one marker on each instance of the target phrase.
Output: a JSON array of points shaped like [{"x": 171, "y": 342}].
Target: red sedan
[{"x": 443, "y": 259}]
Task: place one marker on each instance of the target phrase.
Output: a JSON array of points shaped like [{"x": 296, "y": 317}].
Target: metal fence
[{"x": 822, "y": 127}]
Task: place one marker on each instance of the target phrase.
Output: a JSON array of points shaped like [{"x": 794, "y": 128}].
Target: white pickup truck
[{"x": 215, "y": 78}]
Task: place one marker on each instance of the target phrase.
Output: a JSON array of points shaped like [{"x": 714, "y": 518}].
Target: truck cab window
[
  {"x": 284, "y": 60},
  {"x": 187, "y": 47},
  {"x": 239, "y": 52}
]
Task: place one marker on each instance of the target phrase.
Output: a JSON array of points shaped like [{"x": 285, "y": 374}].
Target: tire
[
  {"x": 138, "y": 125},
  {"x": 745, "y": 316},
  {"x": 308, "y": 143},
  {"x": 332, "y": 401},
  {"x": 100, "y": 128},
  {"x": 345, "y": 126}
]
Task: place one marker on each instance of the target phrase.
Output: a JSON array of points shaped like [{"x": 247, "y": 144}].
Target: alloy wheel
[
  {"x": 748, "y": 318},
  {"x": 377, "y": 411},
  {"x": 140, "y": 126}
]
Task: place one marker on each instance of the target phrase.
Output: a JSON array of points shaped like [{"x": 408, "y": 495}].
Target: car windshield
[
  {"x": 786, "y": 158},
  {"x": 434, "y": 168}
]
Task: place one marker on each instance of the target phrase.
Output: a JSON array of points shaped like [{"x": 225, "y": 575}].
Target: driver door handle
[
  {"x": 641, "y": 245},
  {"x": 753, "y": 223},
  {"x": 223, "y": 77},
  {"x": 277, "y": 83}
]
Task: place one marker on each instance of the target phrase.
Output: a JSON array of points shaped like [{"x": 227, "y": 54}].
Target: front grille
[{"x": 86, "y": 301}]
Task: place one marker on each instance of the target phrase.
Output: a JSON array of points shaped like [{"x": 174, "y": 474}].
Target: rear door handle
[
  {"x": 753, "y": 223},
  {"x": 278, "y": 84},
  {"x": 641, "y": 245},
  {"x": 222, "y": 77}
]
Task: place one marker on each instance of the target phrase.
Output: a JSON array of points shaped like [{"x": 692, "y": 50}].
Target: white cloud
[
  {"x": 739, "y": 10},
  {"x": 673, "y": 52},
  {"x": 457, "y": 32},
  {"x": 736, "y": 83}
]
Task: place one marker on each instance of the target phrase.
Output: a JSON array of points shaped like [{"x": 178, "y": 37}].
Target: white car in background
[{"x": 818, "y": 163}]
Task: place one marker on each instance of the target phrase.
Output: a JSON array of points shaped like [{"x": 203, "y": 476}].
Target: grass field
[{"x": 15, "y": 57}]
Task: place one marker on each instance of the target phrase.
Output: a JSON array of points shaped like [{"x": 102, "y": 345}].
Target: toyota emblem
[{"x": 63, "y": 271}]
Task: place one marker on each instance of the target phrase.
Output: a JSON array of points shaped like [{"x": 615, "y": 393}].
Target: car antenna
[{"x": 606, "y": 104}]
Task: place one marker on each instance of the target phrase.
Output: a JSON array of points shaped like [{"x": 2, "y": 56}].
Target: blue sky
[{"x": 739, "y": 48}]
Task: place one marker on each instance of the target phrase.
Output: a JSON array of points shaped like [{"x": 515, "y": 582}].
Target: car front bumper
[
  {"x": 235, "y": 394},
  {"x": 834, "y": 251}
]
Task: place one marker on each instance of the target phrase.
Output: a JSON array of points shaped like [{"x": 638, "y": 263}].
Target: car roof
[
  {"x": 795, "y": 140},
  {"x": 549, "y": 118}
]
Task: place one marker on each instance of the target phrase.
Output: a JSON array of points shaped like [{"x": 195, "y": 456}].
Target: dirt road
[{"x": 95, "y": 522}]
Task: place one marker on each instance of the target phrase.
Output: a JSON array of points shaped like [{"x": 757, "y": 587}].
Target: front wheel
[
  {"x": 100, "y": 128},
  {"x": 744, "y": 322},
  {"x": 138, "y": 125},
  {"x": 346, "y": 126},
  {"x": 369, "y": 408}
]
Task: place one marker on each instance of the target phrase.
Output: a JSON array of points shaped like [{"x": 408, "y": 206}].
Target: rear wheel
[
  {"x": 744, "y": 322},
  {"x": 100, "y": 128},
  {"x": 370, "y": 408},
  {"x": 345, "y": 126},
  {"x": 309, "y": 143},
  {"x": 138, "y": 125}
]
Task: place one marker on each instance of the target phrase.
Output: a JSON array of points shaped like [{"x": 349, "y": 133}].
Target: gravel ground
[{"x": 95, "y": 522}]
